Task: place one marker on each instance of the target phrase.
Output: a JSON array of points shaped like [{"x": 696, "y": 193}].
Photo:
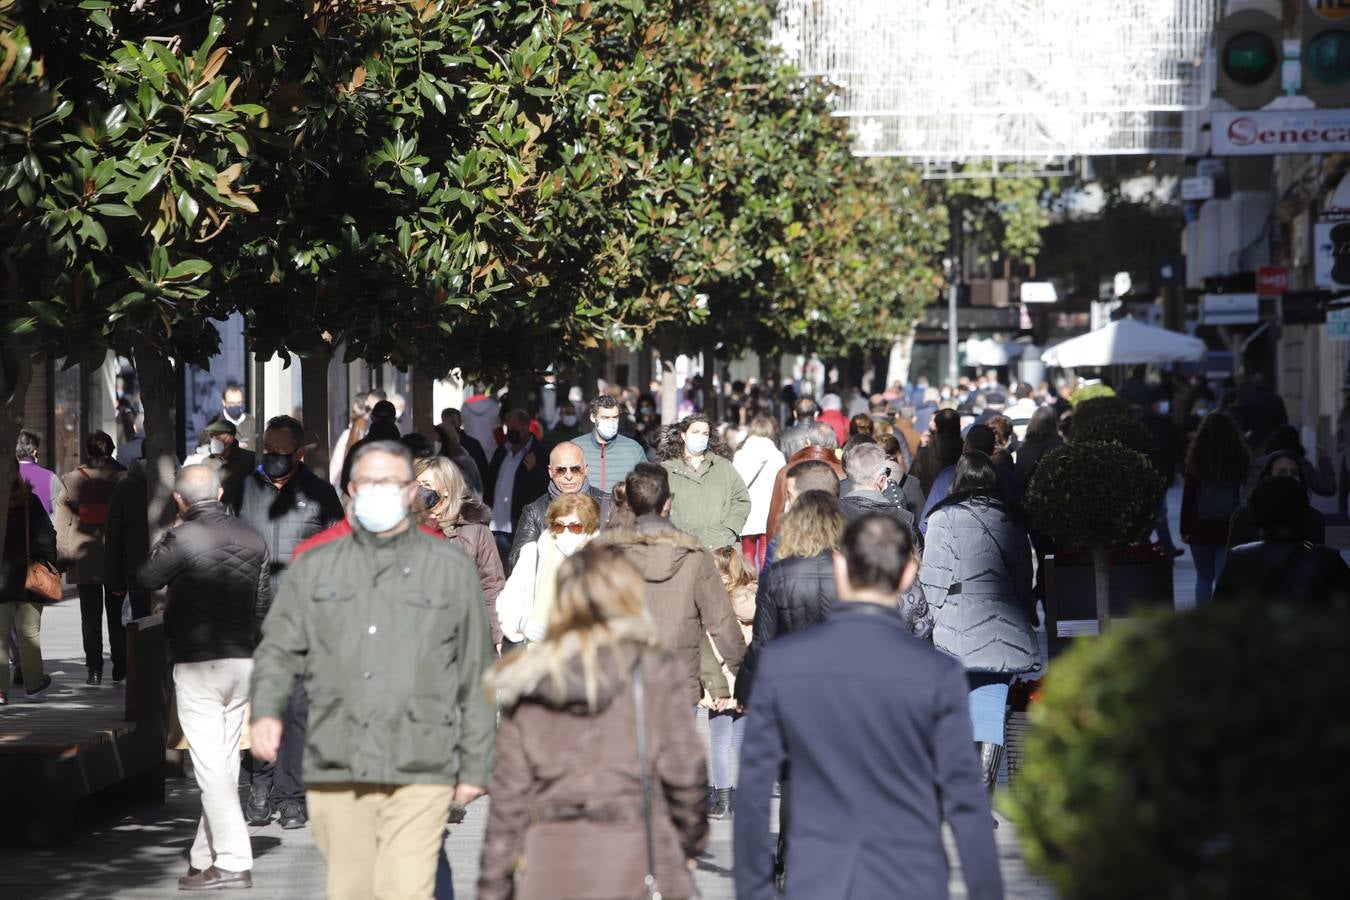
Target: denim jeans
[
  {"x": 1209, "y": 560},
  {"x": 726, "y": 731},
  {"x": 988, "y": 705}
]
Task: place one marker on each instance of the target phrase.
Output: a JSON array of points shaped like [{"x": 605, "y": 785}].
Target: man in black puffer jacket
[
  {"x": 287, "y": 504},
  {"x": 216, "y": 569},
  {"x": 568, "y": 474},
  {"x": 866, "y": 465}
]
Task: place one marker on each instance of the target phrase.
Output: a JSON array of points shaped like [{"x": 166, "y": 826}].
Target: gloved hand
[{"x": 533, "y": 629}]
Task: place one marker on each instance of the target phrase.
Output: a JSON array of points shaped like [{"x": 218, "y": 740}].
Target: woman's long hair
[
  {"x": 976, "y": 477},
  {"x": 1218, "y": 454},
  {"x": 448, "y": 481},
  {"x": 597, "y": 588},
  {"x": 813, "y": 525},
  {"x": 1043, "y": 426},
  {"x": 670, "y": 445},
  {"x": 733, "y": 568}
]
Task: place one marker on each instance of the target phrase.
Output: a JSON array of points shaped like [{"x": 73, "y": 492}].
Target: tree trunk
[
  {"x": 1101, "y": 570},
  {"x": 712, "y": 384},
  {"x": 159, "y": 396},
  {"x": 314, "y": 403},
  {"x": 16, "y": 371},
  {"x": 423, "y": 418},
  {"x": 669, "y": 385}
]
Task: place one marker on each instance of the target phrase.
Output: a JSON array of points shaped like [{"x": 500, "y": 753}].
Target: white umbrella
[{"x": 1124, "y": 343}]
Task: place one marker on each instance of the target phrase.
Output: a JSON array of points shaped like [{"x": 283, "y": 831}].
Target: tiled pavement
[{"x": 137, "y": 852}]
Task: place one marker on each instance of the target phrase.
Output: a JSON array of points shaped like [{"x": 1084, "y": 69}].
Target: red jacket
[
  {"x": 341, "y": 530},
  {"x": 836, "y": 420}
]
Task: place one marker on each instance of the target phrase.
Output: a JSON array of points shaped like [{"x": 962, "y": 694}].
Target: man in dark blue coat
[{"x": 874, "y": 727}]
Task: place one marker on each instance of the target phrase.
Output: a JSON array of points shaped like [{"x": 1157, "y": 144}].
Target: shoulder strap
[
  {"x": 645, "y": 776},
  {"x": 755, "y": 477}
]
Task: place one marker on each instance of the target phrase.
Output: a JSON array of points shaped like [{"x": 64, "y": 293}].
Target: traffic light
[
  {"x": 1248, "y": 44},
  {"x": 1326, "y": 52}
]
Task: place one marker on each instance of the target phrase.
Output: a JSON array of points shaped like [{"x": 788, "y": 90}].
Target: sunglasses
[
  {"x": 568, "y": 470},
  {"x": 574, "y": 527}
]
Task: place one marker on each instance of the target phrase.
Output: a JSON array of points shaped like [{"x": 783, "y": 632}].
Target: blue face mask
[{"x": 697, "y": 443}]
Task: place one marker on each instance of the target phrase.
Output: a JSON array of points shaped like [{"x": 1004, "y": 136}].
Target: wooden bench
[{"x": 54, "y": 754}]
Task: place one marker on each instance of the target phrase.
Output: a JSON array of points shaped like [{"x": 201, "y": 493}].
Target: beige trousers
[
  {"x": 380, "y": 841},
  {"x": 26, "y": 618},
  {"x": 212, "y": 703}
]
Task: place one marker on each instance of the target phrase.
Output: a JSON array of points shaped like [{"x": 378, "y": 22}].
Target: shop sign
[
  {"x": 1272, "y": 281},
  {"x": 1338, "y": 324},
  {"x": 1230, "y": 309},
  {"x": 1280, "y": 132},
  {"x": 1331, "y": 255}
]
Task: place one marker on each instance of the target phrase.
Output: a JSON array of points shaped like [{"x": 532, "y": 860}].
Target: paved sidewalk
[{"x": 136, "y": 852}]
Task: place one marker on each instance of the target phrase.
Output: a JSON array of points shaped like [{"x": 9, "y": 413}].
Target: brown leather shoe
[{"x": 214, "y": 879}]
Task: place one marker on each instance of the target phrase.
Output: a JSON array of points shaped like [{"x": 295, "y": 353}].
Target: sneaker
[
  {"x": 36, "y": 696},
  {"x": 214, "y": 879},
  {"x": 4, "y": 699},
  {"x": 258, "y": 811},
  {"x": 292, "y": 815}
]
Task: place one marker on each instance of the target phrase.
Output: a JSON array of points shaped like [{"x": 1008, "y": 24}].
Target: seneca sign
[{"x": 1276, "y": 132}]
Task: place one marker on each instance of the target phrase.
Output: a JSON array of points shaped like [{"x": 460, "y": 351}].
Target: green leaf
[
  {"x": 188, "y": 208},
  {"x": 188, "y": 270},
  {"x": 148, "y": 182}
]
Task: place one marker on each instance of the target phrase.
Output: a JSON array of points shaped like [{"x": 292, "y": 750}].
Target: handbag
[
  {"x": 41, "y": 579},
  {"x": 649, "y": 882}
]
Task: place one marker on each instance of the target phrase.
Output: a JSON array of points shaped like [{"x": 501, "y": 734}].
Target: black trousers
[
  {"x": 94, "y": 601},
  {"x": 284, "y": 777}
]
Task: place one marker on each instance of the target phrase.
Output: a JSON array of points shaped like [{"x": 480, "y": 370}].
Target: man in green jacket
[{"x": 389, "y": 631}]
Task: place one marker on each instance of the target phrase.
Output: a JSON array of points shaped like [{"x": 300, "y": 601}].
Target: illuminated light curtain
[{"x": 941, "y": 81}]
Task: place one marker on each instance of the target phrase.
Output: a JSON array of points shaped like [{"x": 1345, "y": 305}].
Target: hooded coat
[
  {"x": 566, "y": 790},
  {"x": 685, "y": 596},
  {"x": 976, "y": 574}
]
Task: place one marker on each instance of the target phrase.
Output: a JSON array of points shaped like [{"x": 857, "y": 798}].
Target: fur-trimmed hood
[
  {"x": 527, "y": 674},
  {"x": 655, "y": 546}
]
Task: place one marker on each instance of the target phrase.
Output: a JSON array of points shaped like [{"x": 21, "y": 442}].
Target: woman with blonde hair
[
  {"x": 796, "y": 590},
  {"x": 525, "y": 605},
  {"x": 600, "y": 779},
  {"x": 446, "y": 504}
]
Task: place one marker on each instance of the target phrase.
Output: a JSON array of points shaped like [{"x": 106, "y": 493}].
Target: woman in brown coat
[
  {"x": 447, "y": 505},
  {"x": 567, "y": 806},
  {"x": 81, "y": 513}
]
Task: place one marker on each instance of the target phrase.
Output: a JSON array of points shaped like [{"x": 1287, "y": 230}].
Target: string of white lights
[{"x": 946, "y": 81}]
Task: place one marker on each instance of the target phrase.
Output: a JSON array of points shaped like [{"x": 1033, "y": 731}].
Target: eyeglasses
[
  {"x": 574, "y": 527},
  {"x": 568, "y": 470},
  {"x": 362, "y": 483}
]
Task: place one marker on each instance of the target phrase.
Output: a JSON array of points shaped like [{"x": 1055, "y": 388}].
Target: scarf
[
  {"x": 554, "y": 493},
  {"x": 547, "y": 562}
]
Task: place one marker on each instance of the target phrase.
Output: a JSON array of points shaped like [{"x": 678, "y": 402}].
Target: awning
[{"x": 1123, "y": 343}]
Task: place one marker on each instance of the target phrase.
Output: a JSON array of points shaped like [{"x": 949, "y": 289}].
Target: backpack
[
  {"x": 1216, "y": 502},
  {"x": 93, "y": 497}
]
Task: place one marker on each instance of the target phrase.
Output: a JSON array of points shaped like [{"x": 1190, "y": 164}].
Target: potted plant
[
  {"x": 1198, "y": 756},
  {"x": 1094, "y": 498}
]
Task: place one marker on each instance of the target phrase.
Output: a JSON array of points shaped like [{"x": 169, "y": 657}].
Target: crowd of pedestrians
[{"x": 845, "y": 586}]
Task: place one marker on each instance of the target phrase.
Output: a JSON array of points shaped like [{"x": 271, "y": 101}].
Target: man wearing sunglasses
[{"x": 568, "y": 474}]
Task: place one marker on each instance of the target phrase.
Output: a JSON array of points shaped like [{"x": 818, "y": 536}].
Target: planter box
[{"x": 1071, "y": 595}]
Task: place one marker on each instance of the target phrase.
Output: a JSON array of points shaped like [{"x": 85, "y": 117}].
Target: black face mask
[
  {"x": 277, "y": 465},
  {"x": 428, "y": 496},
  {"x": 514, "y": 437}
]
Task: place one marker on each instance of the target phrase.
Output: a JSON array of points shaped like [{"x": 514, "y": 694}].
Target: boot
[
  {"x": 721, "y": 808},
  {"x": 990, "y": 757}
]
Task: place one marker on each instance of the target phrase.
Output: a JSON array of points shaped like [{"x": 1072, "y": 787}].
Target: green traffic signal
[
  {"x": 1328, "y": 57},
  {"x": 1250, "y": 58}
]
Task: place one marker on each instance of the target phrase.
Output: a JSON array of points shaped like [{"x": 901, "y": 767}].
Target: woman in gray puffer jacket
[{"x": 977, "y": 576}]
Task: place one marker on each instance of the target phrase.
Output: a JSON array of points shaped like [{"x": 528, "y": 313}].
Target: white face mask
[
  {"x": 217, "y": 446},
  {"x": 570, "y": 543},
  {"x": 697, "y": 443},
  {"x": 607, "y": 429},
  {"x": 569, "y": 421},
  {"x": 380, "y": 508}
]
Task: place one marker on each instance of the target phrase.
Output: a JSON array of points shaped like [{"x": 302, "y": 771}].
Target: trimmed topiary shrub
[
  {"x": 1093, "y": 496},
  {"x": 1198, "y": 756},
  {"x": 1109, "y": 419},
  {"x": 1090, "y": 392}
]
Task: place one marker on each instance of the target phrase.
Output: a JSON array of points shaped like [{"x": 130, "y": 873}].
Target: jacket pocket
[
  {"x": 329, "y": 737},
  {"x": 332, "y": 624},
  {"x": 425, "y": 737}
]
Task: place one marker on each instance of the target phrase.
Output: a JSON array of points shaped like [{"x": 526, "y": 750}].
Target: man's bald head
[
  {"x": 196, "y": 484},
  {"x": 567, "y": 467}
]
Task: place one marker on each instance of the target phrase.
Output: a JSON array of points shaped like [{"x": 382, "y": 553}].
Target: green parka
[
  {"x": 711, "y": 503},
  {"x": 392, "y": 640}
]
